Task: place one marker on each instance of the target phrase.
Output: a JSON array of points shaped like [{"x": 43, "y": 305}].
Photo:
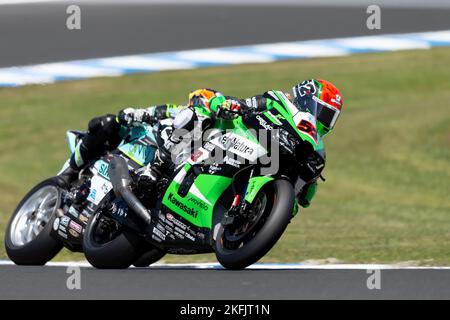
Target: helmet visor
[{"x": 326, "y": 113}]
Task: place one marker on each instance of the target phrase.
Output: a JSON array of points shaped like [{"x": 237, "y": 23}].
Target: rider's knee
[
  {"x": 104, "y": 125},
  {"x": 185, "y": 120}
]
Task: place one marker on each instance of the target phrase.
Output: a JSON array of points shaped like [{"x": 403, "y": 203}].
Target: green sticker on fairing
[
  {"x": 198, "y": 205},
  {"x": 273, "y": 118}
]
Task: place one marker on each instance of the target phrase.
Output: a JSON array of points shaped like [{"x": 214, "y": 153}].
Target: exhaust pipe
[{"x": 121, "y": 181}]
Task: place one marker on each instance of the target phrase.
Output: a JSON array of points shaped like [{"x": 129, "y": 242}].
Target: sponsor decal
[
  {"x": 154, "y": 237},
  {"x": 56, "y": 224},
  {"x": 187, "y": 235},
  {"x": 74, "y": 233},
  {"x": 169, "y": 217},
  {"x": 180, "y": 224},
  {"x": 137, "y": 151},
  {"x": 275, "y": 118},
  {"x": 169, "y": 223},
  {"x": 179, "y": 235},
  {"x": 103, "y": 169},
  {"x": 83, "y": 218},
  {"x": 198, "y": 203},
  {"x": 177, "y": 229},
  {"x": 92, "y": 195},
  {"x": 62, "y": 234},
  {"x": 158, "y": 233},
  {"x": 208, "y": 146},
  {"x": 306, "y": 87},
  {"x": 73, "y": 212},
  {"x": 239, "y": 145},
  {"x": 264, "y": 123},
  {"x": 232, "y": 162},
  {"x": 190, "y": 211},
  {"x": 64, "y": 221},
  {"x": 99, "y": 188},
  {"x": 252, "y": 102},
  {"x": 171, "y": 236},
  {"x": 119, "y": 210},
  {"x": 273, "y": 95},
  {"x": 106, "y": 187},
  {"x": 62, "y": 228},
  {"x": 235, "y": 143},
  {"x": 213, "y": 169},
  {"x": 161, "y": 228},
  {"x": 196, "y": 155},
  {"x": 75, "y": 226},
  {"x": 338, "y": 100}
]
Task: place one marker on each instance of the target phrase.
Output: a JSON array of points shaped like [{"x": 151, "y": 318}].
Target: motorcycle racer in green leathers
[{"x": 205, "y": 106}]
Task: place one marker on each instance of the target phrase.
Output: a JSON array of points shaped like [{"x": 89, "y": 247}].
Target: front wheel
[
  {"x": 27, "y": 239},
  {"x": 250, "y": 237}
]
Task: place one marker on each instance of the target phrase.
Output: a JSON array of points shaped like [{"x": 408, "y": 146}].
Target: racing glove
[{"x": 229, "y": 109}]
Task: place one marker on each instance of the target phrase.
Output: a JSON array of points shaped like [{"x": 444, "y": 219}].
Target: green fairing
[
  {"x": 238, "y": 127},
  {"x": 241, "y": 129},
  {"x": 312, "y": 188},
  {"x": 284, "y": 111},
  {"x": 295, "y": 209},
  {"x": 254, "y": 185},
  {"x": 198, "y": 205},
  {"x": 273, "y": 119}
]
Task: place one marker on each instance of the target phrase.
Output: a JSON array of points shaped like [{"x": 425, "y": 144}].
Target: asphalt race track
[
  {"x": 189, "y": 283},
  {"x": 37, "y": 33}
]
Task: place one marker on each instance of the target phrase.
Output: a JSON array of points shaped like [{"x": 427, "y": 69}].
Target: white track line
[
  {"x": 258, "y": 266},
  {"x": 200, "y": 58}
]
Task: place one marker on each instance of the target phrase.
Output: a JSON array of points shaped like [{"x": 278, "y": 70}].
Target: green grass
[{"x": 386, "y": 198}]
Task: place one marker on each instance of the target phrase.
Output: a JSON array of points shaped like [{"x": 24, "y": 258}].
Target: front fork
[{"x": 238, "y": 206}]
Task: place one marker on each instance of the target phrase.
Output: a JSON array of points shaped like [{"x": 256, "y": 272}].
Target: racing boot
[
  {"x": 154, "y": 172},
  {"x": 162, "y": 163},
  {"x": 76, "y": 163},
  {"x": 66, "y": 177}
]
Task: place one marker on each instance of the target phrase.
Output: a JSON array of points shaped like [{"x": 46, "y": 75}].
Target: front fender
[{"x": 254, "y": 185}]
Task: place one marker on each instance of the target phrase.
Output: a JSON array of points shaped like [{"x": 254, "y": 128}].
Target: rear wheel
[
  {"x": 149, "y": 257},
  {"x": 27, "y": 239},
  {"x": 108, "y": 245},
  {"x": 250, "y": 237}
]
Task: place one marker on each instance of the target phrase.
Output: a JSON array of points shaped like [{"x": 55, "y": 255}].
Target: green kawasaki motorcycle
[{"x": 234, "y": 196}]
